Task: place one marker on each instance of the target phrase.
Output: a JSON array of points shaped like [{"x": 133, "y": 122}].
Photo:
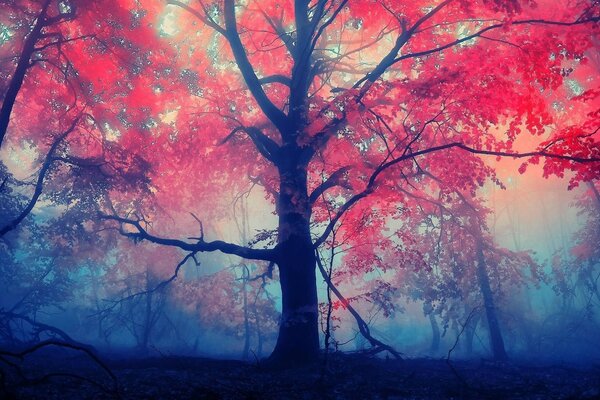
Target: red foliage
[{"x": 399, "y": 101}]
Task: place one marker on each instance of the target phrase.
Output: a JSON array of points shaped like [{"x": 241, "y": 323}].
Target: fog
[{"x": 122, "y": 298}]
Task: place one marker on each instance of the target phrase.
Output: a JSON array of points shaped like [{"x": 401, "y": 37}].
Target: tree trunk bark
[
  {"x": 496, "y": 341},
  {"x": 298, "y": 340}
]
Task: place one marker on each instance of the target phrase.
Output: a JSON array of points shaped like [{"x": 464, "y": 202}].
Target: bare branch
[
  {"x": 363, "y": 327},
  {"x": 156, "y": 288},
  {"x": 491, "y": 28},
  {"x": 197, "y": 14},
  {"x": 325, "y": 24},
  {"x": 404, "y": 37},
  {"x": 267, "y": 274},
  {"x": 59, "y": 343},
  {"x": 201, "y": 246}
]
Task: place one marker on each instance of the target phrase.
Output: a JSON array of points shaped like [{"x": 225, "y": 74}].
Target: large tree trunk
[
  {"x": 496, "y": 341},
  {"x": 298, "y": 340}
]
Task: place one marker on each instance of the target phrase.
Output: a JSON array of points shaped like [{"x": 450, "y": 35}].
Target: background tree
[
  {"x": 576, "y": 278},
  {"x": 52, "y": 96}
]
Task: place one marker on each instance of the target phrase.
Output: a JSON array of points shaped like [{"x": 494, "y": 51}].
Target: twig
[{"x": 464, "y": 326}]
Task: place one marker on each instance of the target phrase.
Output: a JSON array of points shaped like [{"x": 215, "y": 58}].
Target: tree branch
[
  {"x": 404, "y": 37},
  {"x": 70, "y": 345},
  {"x": 156, "y": 288},
  {"x": 23, "y": 65},
  {"x": 335, "y": 179},
  {"x": 203, "y": 18},
  {"x": 490, "y": 28},
  {"x": 201, "y": 246},
  {"x": 371, "y": 185},
  {"x": 39, "y": 186},
  {"x": 363, "y": 327},
  {"x": 284, "y": 80},
  {"x": 277, "y": 26},
  {"x": 275, "y": 115},
  {"x": 266, "y": 146}
]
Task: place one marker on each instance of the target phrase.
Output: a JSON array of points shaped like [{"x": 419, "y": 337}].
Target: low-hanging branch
[
  {"x": 200, "y": 246},
  {"x": 40, "y": 327},
  {"x": 363, "y": 327},
  {"x": 20, "y": 355}
]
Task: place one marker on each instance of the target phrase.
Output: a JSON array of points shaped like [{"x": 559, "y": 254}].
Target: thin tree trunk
[
  {"x": 435, "y": 331},
  {"x": 259, "y": 336},
  {"x": 147, "y": 320},
  {"x": 246, "y": 317},
  {"x": 592, "y": 186},
  {"x": 95, "y": 284},
  {"x": 496, "y": 341},
  {"x": 328, "y": 316},
  {"x": 470, "y": 334}
]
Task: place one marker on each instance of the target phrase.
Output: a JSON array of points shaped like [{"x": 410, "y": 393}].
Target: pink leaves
[{"x": 523, "y": 168}]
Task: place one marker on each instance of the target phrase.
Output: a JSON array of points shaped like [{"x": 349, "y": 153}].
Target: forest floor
[{"x": 341, "y": 377}]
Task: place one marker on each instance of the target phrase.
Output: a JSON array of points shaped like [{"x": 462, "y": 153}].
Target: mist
[
  {"x": 138, "y": 300},
  {"x": 311, "y": 199}
]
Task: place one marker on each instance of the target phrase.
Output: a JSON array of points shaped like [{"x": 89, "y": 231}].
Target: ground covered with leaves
[{"x": 66, "y": 376}]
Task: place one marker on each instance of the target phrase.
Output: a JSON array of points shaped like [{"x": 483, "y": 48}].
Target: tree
[
  {"x": 364, "y": 94},
  {"x": 250, "y": 310},
  {"x": 39, "y": 41},
  {"x": 37, "y": 279},
  {"x": 576, "y": 274},
  {"x": 439, "y": 251},
  {"x": 51, "y": 98}
]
